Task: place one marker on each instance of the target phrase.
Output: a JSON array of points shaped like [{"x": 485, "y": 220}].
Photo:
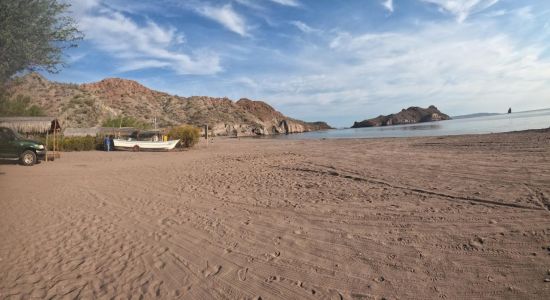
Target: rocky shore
[{"x": 410, "y": 115}]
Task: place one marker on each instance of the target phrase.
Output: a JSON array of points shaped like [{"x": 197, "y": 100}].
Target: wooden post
[
  {"x": 206, "y": 134},
  {"x": 57, "y": 153},
  {"x": 47, "y": 135},
  {"x": 54, "y": 142}
]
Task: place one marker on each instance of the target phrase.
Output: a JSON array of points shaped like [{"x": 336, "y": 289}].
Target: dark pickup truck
[{"x": 15, "y": 147}]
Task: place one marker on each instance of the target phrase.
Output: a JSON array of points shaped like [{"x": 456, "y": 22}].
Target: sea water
[{"x": 535, "y": 119}]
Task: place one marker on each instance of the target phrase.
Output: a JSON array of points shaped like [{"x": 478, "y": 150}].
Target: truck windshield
[{"x": 18, "y": 136}]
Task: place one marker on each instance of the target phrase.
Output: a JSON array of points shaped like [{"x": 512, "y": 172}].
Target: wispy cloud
[
  {"x": 226, "y": 16},
  {"x": 388, "y": 4},
  {"x": 251, "y": 4},
  {"x": 294, "y": 3},
  {"x": 525, "y": 13},
  {"x": 457, "y": 65},
  {"x": 140, "y": 46},
  {"x": 495, "y": 54},
  {"x": 461, "y": 9},
  {"x": 497, "y": 13},
  {"x": 304, "y": 27}
]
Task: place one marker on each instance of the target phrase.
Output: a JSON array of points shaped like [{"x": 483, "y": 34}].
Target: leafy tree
[
  {"x": 187, "y": 134},
  {"x": 33, "y": 35},
  {"x": 122, "y": 121}
]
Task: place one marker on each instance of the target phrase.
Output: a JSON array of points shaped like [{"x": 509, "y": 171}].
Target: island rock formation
[
  {"x": 89, "y": 105},
  {"x": 410, "y": 115}
]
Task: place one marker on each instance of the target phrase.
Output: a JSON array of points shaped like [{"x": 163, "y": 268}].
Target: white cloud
[
  {"x": 304, "y": 27},
  {"x": 461, "y": 9},
  {"x": 81, "y": 7},
  {"x": 388, "y": 4},
  {"x": 497, "y": 13},
  {"x": 247, "y": 81},
  {"x": 226, "y": 16},
  {"x": 139, "y": 46},
  {"x": 525, "y": 13},
  {"x": 250, "y": 3},
  {"x": 294, "y": 3},
  {"x": 133, "y": 65},
  {"x": 458, "y": 67}
]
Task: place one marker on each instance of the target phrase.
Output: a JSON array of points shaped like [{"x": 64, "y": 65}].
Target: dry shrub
[{"x": 187, "y": 134}]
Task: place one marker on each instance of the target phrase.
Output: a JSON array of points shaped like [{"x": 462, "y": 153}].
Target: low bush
[
  {"x": 76, "y": 143},
  {"x": 187, "y": 134},
  {"x": 81, "y": 143}
]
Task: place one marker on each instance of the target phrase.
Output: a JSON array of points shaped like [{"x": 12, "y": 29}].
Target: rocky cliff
[
  {"x": 410, "y": 115},
  {"x": 89, "y": 105}
]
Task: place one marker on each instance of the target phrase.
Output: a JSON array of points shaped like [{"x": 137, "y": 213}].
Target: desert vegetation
[
  {"x": 187, "y": 134},
  {"x": 19, "y": 106},
  {"x": 126, "y": 121},
  {"x": 76, "y": 143}
]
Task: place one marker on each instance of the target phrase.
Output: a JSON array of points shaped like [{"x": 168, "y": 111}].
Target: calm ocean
[{"x": 535, "y": 119}]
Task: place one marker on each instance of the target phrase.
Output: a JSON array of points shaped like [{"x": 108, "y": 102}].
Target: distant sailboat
[{"x": 510, "y": 110}]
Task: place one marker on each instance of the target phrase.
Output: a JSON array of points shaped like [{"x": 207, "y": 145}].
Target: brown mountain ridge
[{"x": 90, "y": 104}]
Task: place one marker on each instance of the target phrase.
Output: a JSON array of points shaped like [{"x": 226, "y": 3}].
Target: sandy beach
[{"x": 464, "y": 217}]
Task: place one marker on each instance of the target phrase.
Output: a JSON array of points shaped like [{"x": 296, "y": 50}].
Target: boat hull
[{"x": 144, "y": 145}]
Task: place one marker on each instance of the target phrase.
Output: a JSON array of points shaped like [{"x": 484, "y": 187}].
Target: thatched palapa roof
[{"x": 30, "y": 124}]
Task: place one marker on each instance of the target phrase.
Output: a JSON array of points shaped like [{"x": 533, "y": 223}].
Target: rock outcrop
[
  {"x": 90, "y": 104},
  {"x": 410, "y": 115}
]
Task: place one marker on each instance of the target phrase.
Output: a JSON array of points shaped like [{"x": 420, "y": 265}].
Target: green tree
[
  {"x": 187, "y": 134},
  {"x": 33, "y": 35}
]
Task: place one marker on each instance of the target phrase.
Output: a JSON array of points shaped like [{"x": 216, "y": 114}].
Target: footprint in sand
[
  {"x": 271, "y": 279},
  {"x": 242, "y": 274},
  {"x": 211, "y": 271},
  {"x": 335, "y": 295},
  {"x": 161, "y": 251},
  {"x": 159, "y": 265}
]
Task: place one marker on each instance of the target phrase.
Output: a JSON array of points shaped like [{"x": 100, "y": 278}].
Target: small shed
[{"x": 36, "y": 126}]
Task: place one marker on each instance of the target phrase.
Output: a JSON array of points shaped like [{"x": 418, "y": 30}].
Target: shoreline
[{"x": 293, "y": 135}]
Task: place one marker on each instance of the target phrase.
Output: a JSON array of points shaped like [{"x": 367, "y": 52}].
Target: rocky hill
[
  {"x": 89, "y": 105},
  {"x": 410, "y": 115}
]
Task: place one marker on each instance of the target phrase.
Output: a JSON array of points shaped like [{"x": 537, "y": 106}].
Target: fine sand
[{"x": 461, "y": 217}]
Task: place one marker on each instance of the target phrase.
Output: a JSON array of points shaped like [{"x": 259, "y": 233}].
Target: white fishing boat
[{"x": 135, "y": 145}]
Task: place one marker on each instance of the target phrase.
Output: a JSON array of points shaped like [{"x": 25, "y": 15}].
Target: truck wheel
[
  {"x": 136, "y": 148},
  {"x": 28, "y": 158}
]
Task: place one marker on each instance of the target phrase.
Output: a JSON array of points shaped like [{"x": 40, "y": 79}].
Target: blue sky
[{"x": 337, "y": 61}]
